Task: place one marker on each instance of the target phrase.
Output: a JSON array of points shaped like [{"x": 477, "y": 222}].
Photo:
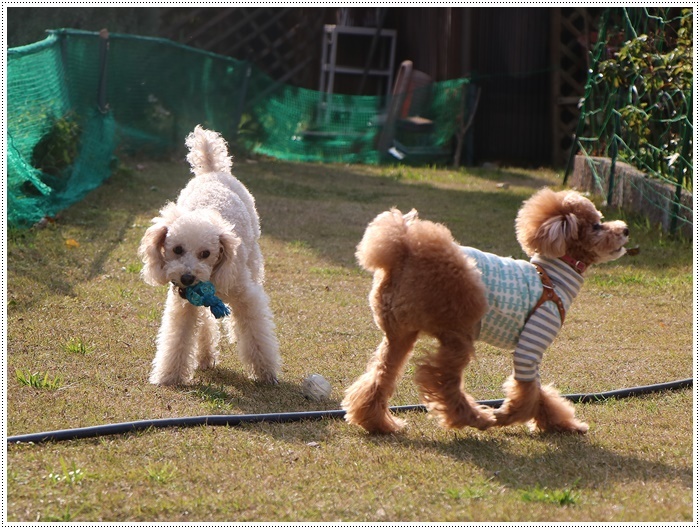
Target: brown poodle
[{"x": 425, "y": 282}]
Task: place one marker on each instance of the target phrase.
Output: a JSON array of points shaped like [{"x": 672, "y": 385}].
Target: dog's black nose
[
  {"x": 187, "y": 279},
  {"x": 626, "y": 232}
]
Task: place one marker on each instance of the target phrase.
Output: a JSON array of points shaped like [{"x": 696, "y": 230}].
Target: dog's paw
[
  {"x": 172, "y": 380},
  {"x": 486, "y": 419},
  {"x": 209, "y": 362},
  {"x": 383, "y": 424},
  {"x": 570, "y": 425},
  {"x": 575, "y": 427},
  {"x": 390, "y": 425},
  {"x": 479, "y": 417},
  {"x": 266, "y": 378}
]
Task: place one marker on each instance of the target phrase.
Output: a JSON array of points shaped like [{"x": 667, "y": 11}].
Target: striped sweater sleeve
[{"x": 539, "y": 332}]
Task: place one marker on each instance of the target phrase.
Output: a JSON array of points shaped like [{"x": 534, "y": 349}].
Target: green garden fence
[{"x": 77, "y": 98}]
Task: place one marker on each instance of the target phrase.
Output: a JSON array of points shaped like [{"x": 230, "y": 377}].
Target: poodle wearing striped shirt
[{"x": 425, "y": 283}]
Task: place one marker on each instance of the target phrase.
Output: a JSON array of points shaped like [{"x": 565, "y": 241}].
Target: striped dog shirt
[{"x": 513, "y": 289}]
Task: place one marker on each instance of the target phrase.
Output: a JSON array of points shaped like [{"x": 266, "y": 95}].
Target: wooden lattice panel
[
  {"x": 571, "y": 42},
  {"x": 277, "y": 39}
]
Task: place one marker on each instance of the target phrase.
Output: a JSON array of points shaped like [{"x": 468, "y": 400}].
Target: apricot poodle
[{"x": 425, "y": 283}]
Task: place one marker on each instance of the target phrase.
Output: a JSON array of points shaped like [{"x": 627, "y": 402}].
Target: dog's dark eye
[
  {"x": 204, "y": 254},
  {"x": 597, "y": 226},
  {"x": 178, "y": 250}
]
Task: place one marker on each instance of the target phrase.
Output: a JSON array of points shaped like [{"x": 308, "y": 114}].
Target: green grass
[
  {"x": 161, "y": 473},
  {"x": 561, "y": 497},
  {"x": 80, "y": 319},
  {"x": 38, "y": 380},
  {"x": 216, "y": 397},
  {"x": 69, "y": 475},
  {"x": 77, "y": 346}
]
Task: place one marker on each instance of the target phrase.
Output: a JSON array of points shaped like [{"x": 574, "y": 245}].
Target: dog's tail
[
  {"x": 385, "y": 240},
  {"x": 208, "y": 152}
]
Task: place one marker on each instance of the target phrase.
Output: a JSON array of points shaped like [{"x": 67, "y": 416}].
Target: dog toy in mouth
[{"x": 202, "y": 294}]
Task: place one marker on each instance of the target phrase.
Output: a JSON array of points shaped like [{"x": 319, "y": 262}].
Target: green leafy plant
[
  {"x": 133, "y": 268},
  {"x": 560, "y": 497},
  {"x": 38, "y": 380},
  {"x": 65, "y": 516},
  {"x": 70, "y": 475},
  {"x": 58, "y": 149},
  {"x": 160, "y": 473},
  {"x": 649, "y": 81},
  {"x": 216, "y": 398},
  {"x": 77, "y": 346}
]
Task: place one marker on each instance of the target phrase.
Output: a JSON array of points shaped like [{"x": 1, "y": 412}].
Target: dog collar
[{"x": 579, "y": 266}]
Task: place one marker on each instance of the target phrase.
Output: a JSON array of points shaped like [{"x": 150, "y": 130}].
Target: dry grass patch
[{"x": 79, "y": 314}]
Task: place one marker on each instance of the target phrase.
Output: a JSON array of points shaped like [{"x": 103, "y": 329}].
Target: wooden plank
[
  {"x": 260, "y": 30},
  {"x": 555, "y": 81}
]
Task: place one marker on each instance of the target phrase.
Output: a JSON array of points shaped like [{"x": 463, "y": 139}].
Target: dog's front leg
[
  {"x": 207, "y": 355},
  {"x": 520, "y": 404},
  {"x": 557, "y": 414},
  {"x": 527, "y": 401},
  {"x": 174, "y": 360},
  {"x": 253, "y": 327}
]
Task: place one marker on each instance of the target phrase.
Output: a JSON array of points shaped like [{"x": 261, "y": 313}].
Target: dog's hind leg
[
  {"x": 208, "y": 334},
  {"x": 174, "y": 362},
  {"x": 440, "y": 378},
  {"x": 366, "y": 401}
]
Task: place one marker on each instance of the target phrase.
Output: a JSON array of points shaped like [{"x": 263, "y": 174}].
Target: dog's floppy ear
[
  {"x": 551, "y": 237},
  {"x": 222, "y": 275},
  {"x": 151, "y": 253}
]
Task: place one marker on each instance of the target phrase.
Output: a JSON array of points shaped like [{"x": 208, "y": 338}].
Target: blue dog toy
[{"x": 202, "y": 294}]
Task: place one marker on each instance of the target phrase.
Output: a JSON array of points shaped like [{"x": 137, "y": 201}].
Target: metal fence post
[
  {"x": 685, "y": 148},
  {"x": 614, "y": 148},
  {"x": 102, "y": 103}
]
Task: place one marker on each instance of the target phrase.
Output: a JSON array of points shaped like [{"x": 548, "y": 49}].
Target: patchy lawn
[{"x": 80, "y": 339}]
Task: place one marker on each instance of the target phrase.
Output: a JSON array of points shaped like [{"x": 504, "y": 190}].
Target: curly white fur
[{"x": 209, "y": 234}]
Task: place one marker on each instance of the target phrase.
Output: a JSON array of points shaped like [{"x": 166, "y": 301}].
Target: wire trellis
[{"x": 638, "y": 102}]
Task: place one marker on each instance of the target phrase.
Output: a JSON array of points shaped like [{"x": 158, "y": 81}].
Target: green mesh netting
[
  {"x": 638, "y": 105},
  {"x": 141, "y": 94},
  {"x": 39, "y": 106}
]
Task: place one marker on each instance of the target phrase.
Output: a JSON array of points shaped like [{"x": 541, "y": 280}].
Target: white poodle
[{"x": 210, "y": 234}]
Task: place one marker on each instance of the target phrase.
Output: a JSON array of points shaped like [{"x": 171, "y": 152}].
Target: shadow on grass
[
  {"x": 324, "y": 207},
  {"x": 556, "y": 460},
  {"x": 253, "y": 397}
]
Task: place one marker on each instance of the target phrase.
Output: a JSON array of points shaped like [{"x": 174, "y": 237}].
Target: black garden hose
[{"x": 234, "y": 420}]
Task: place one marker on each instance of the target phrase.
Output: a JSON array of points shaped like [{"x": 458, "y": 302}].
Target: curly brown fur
[
  {"x": 423, "y": 283},
  {"x": 403, "y": 252},
  {"x": 440, "y": 379},
  {"x": 526, "y": 401},
  {"x": 553, "y": 224}
]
